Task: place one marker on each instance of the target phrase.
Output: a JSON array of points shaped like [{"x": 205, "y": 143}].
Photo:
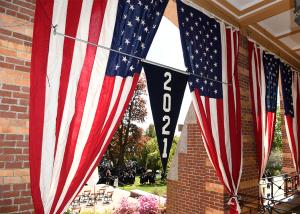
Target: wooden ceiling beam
[
  {"x": 288, "y": 34},
  {"x": 267, "y": 12},
  {"x": 171, "y": 12},
  {"x": 246, "y": 10},
  {"x": 272, "y": 44},
  {"x": 217, "y": 11}
]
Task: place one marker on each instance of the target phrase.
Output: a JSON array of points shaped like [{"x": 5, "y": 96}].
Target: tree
[
  {"x": 150, "y": 156},
  {"x": 277, "y": 143},
  {"x": 150, "y": 131},
  {"x": 128, "y": 134}
]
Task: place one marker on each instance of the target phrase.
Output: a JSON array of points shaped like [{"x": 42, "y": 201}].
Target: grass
[{"x": 158, "y": 188}]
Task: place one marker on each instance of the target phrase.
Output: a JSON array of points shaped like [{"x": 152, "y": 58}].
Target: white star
[
  {"x": 191, "y": 14},
  {"x": 157, "y": 13},
  {"x": 187, "y": 33},
  {"x": 128, "y": 1},
  {"x": 139, "y": 38},
  {"x": 131, "y": 68},
  {"x": 124, "y": 59},
  {"x": 216, "y": 91},
  {"x": 142, "y": 45},
  {"x": 215, "y": 38},
  {"x": 125, "y": 17},
  {"x": 146, "y": 29},
  {"x": 186, "y": 19},
  {"x": 196, "y": 37},
  {"x": 137, "y": 18},
  {"x": 117, "y": 67},
  {"x": 182, "y": 9},
  {"x": 146, "y": 7},
  {"x": 215, "y": 64},
  {"x": 143, "y": 22},
  {"x": 211, "y": 83},
  {"x": 196, "y": 51},
  {"x": 129, "y": 24},
  {"x": 197, "y": 65},
  {"x": 131, "y": 7},
  {"x": 207, "y": 36},
  {"x": 196, "y": 23},
  {"x": 127, "y": 41},
  {"x": 197, "y": 80},
  {"x": 205, "y": 82},
  {"x": 140, "y": 3}
]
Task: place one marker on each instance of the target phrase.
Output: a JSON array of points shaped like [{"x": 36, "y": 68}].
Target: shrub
[
  {"x": 148, "y": 205},
  {"x": 126, "y": 207}
]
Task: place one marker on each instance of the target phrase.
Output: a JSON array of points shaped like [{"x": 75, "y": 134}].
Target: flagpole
[{"x": 55, "y": 32}]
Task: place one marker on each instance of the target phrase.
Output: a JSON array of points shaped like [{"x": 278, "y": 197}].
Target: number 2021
[{"x": 167, "y": 108}]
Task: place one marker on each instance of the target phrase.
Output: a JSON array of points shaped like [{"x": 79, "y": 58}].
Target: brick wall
[
  {"x": 16, "y": 17},
  {"x": 197, "y": 188},
  {"x": 287, "y": 161}
]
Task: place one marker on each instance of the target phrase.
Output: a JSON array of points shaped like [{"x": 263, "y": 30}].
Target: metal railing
[
  {"x": 278, "y": 187},
  {"x": 275, "y": 191}
]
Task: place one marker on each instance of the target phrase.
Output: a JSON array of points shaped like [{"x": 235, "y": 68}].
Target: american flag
[
  {"x": 210, "y": 53},
  {"x": 79, "y": 92},
  {"x": 263, "y": 71},
  {"x": 290, "y": 83}
]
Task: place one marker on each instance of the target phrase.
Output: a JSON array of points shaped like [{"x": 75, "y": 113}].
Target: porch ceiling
[{"x": 269, "y": 22}]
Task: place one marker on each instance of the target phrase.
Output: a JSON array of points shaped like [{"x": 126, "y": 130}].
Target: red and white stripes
[
  {"x": 74, "y": 107},
  {"x": 292, "y": 124},
  {"x": 220, "y": 120},
  {"x": 264, "y": 121}
]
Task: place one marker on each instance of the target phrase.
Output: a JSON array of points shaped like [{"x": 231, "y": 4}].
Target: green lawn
[{"x": 158, "y": 188}]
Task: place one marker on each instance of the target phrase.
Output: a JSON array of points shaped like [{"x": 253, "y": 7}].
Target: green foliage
[
  {"x": 150, "y": 131},
  {"x": 274, "y": 165},
  {"x": 277, "y": 143},
  {"x": 150, "y": 157}
]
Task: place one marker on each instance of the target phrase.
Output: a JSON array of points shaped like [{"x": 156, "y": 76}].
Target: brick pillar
[
  {"x": 193, "y": 186},
  {"x": 16, "y": 17},
  {"x": 287, "y": 160}
]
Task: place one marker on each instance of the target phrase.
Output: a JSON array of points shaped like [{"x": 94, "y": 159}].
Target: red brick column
[
  {"x": 16, "y": 17},
  {"x": 195, "y": 188},
  {"x": 287, "y": 160}
]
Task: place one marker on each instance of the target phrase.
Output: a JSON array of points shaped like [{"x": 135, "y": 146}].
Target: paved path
[{"x": 100, "y": 207}]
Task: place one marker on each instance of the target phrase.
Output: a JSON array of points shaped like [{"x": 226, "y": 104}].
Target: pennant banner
[{"x": 166, "y": 89}]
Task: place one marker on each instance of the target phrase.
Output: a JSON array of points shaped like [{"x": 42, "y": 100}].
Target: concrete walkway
[{"x": 101, "y": 206}]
